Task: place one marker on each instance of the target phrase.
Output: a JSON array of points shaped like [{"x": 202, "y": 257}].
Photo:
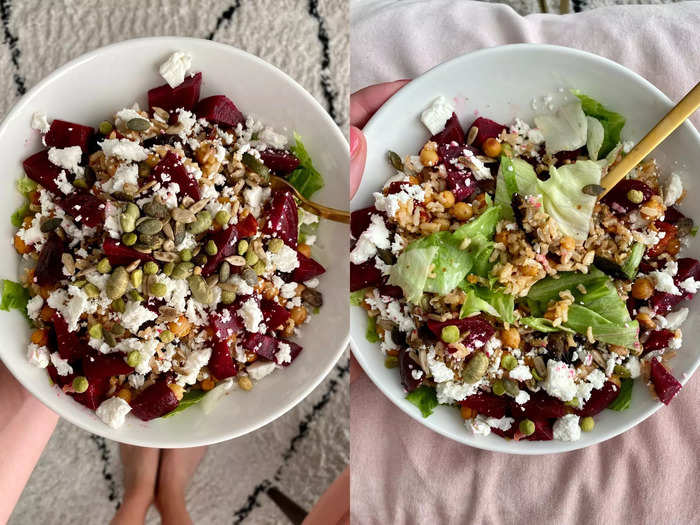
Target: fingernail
[{"x": 355, "y": 138}]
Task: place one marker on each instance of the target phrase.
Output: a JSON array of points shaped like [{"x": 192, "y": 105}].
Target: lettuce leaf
[
  {"x": 492, "y": 302},
  {"x": 624, "y": 398},
  {"x": 567, "y": 130},
  {"x": 424, "y": 398},
  {"x": 543, "y": 325},
  {"x": 20, "y": 213},
  {"x": 189, "y": 399},
  {"x": 484, "y": 224},
  {"x": 357, "y": 297},
  {"x": 411, "y": 271},
  {"x": 371, "y": 334},
  {"x": 305, "y": 178},
  {"x": 549, "y": 288},
  {"x": 515, "y": 175},
  {"x": 14, "y": 297},
  {"x": 631, "y": 264},
  {"x": 595, "y": 135},
  {"x": 451, "y": 264},
  {"x": 611, "y": 122}
]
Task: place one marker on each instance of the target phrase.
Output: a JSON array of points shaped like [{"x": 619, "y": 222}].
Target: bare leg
[
  {"x": 177, "y": 466},
  {"x": 140, "y": 470}
]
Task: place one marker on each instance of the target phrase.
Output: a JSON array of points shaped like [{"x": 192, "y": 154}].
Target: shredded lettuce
[
  {"x": 595, "y": 137},
  {"x": 611, "y": 122},
  {"x": 14, "y": 297},
  {"x": 357, "y": 297},
  {"x": 424, "y": 398},
  {"x": 450, "y": 263},
  {"x": 371, "y": 334},
  {"x": 189, "y": 399},
  {"x": 25, "y": 185},
  {"x": 567, "y": 130},
  {"x": 624, "y": 398},
  {"x": 515, "y": 175},
  {"x": 410, "y": 271},
  {"x": 20, "y": 213},
  {"x": 305, "y": 178},
  {"x": 492, "y": 302},
  {"x": 484, "y": 224},
  {"x": 549, "y": 288},
  {"x": 543, "y": 325}
]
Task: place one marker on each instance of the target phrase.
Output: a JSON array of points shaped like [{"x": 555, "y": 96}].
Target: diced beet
[
  {"x": 360, "y": 219},
  {"x": 68, "y": 342},
  {"x": 672, "y": 215},
  {"x": 274, "y": 313},
  {"x": 283, "y": 218},
  {"x": 617, "y": 199},
  {"x": 364, "y": 275},
  {"x": 406, "y": 368},
  {"x": 49, "y": 267},
  {"x": 225, "y": 241},
  {"x": 571, "y": 156},
  {"x": 155, "y": 401},
  {"x": 487, "y": 404},
  {"x": 184, "y": 96},
  {"x": 280, "y": 161},
  {"x": 94, "y": 395},
  {"x": 267, "y": 347},
  {"x": 452, "y": 132},
  {"x": 540, "y": 406},
  {"x": 85, "y": 208},
  {"x": 662, "y": 302},
  {"x": 599, "y": 400},
  {"x": 670, "y": 233},
  {"x": 225, "y": 322},
  {"x": 64, "y": 134},
  {"x": 219, "y": 109},
  {"x": 390, "y": 290},
  {"x": 665, "y": 385},
  {"x": 247, "y": 227},
  {"x": 687, "y": 267},
  {"x": 99, "y": 367},
  {"x": 42, "y": 171},
  {"x": 476, "y": 327},
  {"x": 171, "y": 165},
  {"x": 308, "y": 269},
  {"x": 508, "y": 434},
  {"x": 221, "y": 364},
  {"x": 487, "y": 129},
  {"x": 396, "y": 187},
  {"x": 543, "y": 431},
  {"x": 120, "y": 254},
  {"x": 658, "y": 339},
  {"x": 459, "y": 179},
  {"x": 57, "y": 379}
]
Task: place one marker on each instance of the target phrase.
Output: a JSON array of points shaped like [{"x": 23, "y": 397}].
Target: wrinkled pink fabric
[{"x": 404, "y": 473}]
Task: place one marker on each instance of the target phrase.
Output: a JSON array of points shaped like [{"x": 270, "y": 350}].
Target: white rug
[{"x": 78, "y": 478}]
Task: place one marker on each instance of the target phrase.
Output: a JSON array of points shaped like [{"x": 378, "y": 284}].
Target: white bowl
[
  {"x": 88, "y": 90},
  {"x": 500, "y": 83}
]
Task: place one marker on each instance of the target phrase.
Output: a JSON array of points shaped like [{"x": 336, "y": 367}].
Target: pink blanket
[{"x": 404, "y": 473}]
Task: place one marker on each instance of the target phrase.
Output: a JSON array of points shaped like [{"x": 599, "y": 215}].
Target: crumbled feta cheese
[
  {"x": 480, "y": 171},
  {"x": 112, "y": 224},
  {"x": 38, "y": 355},
  {"x": 136, "y": 380},
  {"x": 242, "y": 287},
  {"x": 188, "y": 121},
  {"x": 478, "y": 426},
  {"x": 67, "y": 158},
  {"x": 560, "y": 381},
  {"x": 416, "y": 374},
  {"x": 193, "y": 364},
  {"x": 34, "y": 306},
  {"x": 285, "y": 260},
  {"x": 567, "y": 428},
  {"x": 676, "y": 343},
  {"x": 521, "y": 373},
  {"x": 394, "y": 201},
  {"x": 673, "y": 189},
  {"x": 436, "y": 116},
  {"x": 168, "y": 194},
  {"x": 113, "y": 411},
  {"x": 284, "y": 353},
  {"x": 174, "y": 69},
  {"x": 273, "y": 139},
  {"x": 522, "y": 397},
  {"x": 663, "y": 282},
  {"x": 382, "y": 266},
  {"x": 62, "y": 366},
  {"x": 125, "y": 115},
  {"x": 634, "y": 367},
  {"x": 135, "y": 315},
  {"x": 255, "y": 198},
  {"x": 675, "y": 319},
  {"x": 40, "y": 122},
  {"x": 64, "y": 184},
  {"x": 690, "y": 285},
  {"x": 312, "y": 283},
  {"x": 251, "y": 315},
  {"x": 33, "y": 234},
  {"x": 124, "y": 149},
  {"x": 71, "y": 305},
  {"x": 391, "y": 309},
  {"x": 375, "y": 236},
  {"x": 260, "y": 369},
  {"x": 125, "y": 174},
  {"x": 450, "y": 391}
]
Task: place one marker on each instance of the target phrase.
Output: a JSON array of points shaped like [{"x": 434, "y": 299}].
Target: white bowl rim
[
  {"x": 562, "y": 447},
  {"x": 51, "y": 401}
]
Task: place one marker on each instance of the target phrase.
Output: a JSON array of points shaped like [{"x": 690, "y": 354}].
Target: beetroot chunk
[
  {"x": 476, "y": 327},
  {"x": 665, "y": 385},
  {"x": 280, "y": 161},
  {"x": 543, "y": 431},
  {"x": 94, "y": 395},
  {"x": 617, "y": 199},
  {"x": 540, "y": 406},
  {"x": 68, "y": 343},
  {"x": 283, "y": 220},
  {"x": 459, "y": 179},
  {"x": 172, "y": 166},
  {"x": 219, "y": 109},
  {"x": 308, "y": 269},
  {"x": 120, "y": 254},
  {"x": 221, "y": 364},
  {"x": 364, "y": 275},
  {"x": 99, "y": 367},
  {"x": 64, "y": 134},
  {"x": 360, "y": 220},
  {"x": 274, "y": 313},
  {"x": 157, "y": 400},
  {"x": 658, "y": 339},
  {"x": 225, "y": 323},
  {"x": 247, "y": 227},
  {"x": 49, "y": 267},
  {"x": 487, "y": 404},
  {"x": 599, "y": 400},
  {"x": 406, "y": 368},
  {"x": 267, "y": 347},
  {"x": 225, "y": 241},
  {"x": 42, "y": 171},
  {"x": 487, "y": 129},
  {"x": 85, "y": 208},
  {"x": 184, "y": 96},
  {"x": 662, "y": 302},
  {"x": 452, "y": 132}
]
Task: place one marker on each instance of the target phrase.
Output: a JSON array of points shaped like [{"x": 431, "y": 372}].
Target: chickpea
[
  {"x": 245, "y": 383},
  {"x": 510, "y": 337},
  {"x": 568, "y": 243},
  {"x": 646, "y": 321},
  {"x": 177, "y": 390},
  {"x": 462, "y": 211},
  {"x": 492, "y": 147},
  {"x": 207, "y": 384},
  {"x": 642, "y": 288},
  {"x": 298, "y": 314},
  {"x": 467, "y": 413},
  {"x": 413, "y": 180},
  {"x": 444, "y": 224},
  {"x": 446, "y": 198},
  {"x": 125, "y": 394},
  {"x": 428, "y": 155},
  {"x": 653, "y": 208}
]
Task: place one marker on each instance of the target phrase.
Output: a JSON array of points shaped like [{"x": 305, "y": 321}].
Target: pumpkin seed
[
  {"x": 50, "y": 224},
  {"x": 475, "y": 368},
  {"x": 235, "y": 260},
  {"x": 117, "y": 283},
  {"x": 249, "y": 276},
  {"x": 395, "y": 160},
  {"x": 182, "y": 215},
  {"x": 312, "y": 297},
  {"x": 540, "y": 367},
  {"x": 212, "y": 280},
  {"x": 117, "y": 330},
  {"x": 156, "y": 209},
  {"x": 593, "y": 189},
  {"x": 144, "y": 169},
  {"x": 138, "y": 124},
  {"x": 154, "y": 242},
  {"x": 199, "y": 289},
  {"x": 109, "y": 338},
  {"x": 165, "y": 256},
  {"x": 182, "y": 270},
  {"x": 179, "y": 233},
  {"x": 201, "y": 224},
  {"x": 511, "y": 387},
  {"x": 255, "y": 165},
  {"x": 385, "y": 255},
  {"x": 224, "y": 271},
  {"x": 150, "y": 226}
]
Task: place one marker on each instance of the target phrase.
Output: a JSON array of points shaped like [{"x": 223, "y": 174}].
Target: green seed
[
  {"x": 498, "y": 388},
  {"x": 128, "y": 223},
  {"x": 275, "y": 245},
  {"x": 475, "y": 368},
  {"x": 134, "y": 358},
  {"x": 450, "y": 334},
  {"x": 182, "y": 270},
  {"x": 166, "y": 336},
  {"x": 91, "y": 290},
  {"x": 80, "y": 283},
  {"x": 156, "y": 209},
  {"x": 622, "y": 371},
  {"x": 211, "y": 248},
  {"x": 511, "y": 387},
  {"x": 118, "y": 306},
  {"x": 150, "y": 268},
  {"x": 168, "y": 268},
  {"x": 200, "y": 260},
  {"x": 109, "y": 339},
  {"x": 103, "y": 266},
  {"x": 138, "y": 124},
  {"x": 259, "y": 268},
  {"x": 144, "y": 170},
  {"x": 509, "y": 362},
  {"x": 80, "y": 183},
  {"x": 106, "y": 127},
  {"x": 391, "y": 361},
  {"x": 201, "y": 224},
  {"x": 395, "y": 160},
  {"x": 159, "y": 289},
  {"x": 635, "y": 196},
  {"x": 199, "y": 289},
  {"x": 242, "y": 247},
  {"x": 186, "y": 255},
  {"x": 135, "y": 296},
  {"x": 118, "y": 330},
  {"x": 222, "y": 217},
  {"x": 132, "y": 210},
  {"x": 224, "y": 272},
  {"x": 587, "y": 424},
  {"x": 80, "y": 384},
  {"x": 228, "y": 297},
  {"x": 150, "y": 226},
  {"x": 251, "y": 257},
  {"x": 95, "y": 331},
  {"x": 136, "y": 277},
  {"x": 50, "y": 225},
  {"x": 526, "y": 427},
  {"x": 572, "y": 403},
  {"x": 129, "y": 239},
  {"x": 255, "y": 165}
]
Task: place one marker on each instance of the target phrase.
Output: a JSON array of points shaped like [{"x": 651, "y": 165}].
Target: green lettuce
[
  {"x": 14, "y": 297},
  {"x": 567, "y": 130},
  {"x": 410, "y": 271},
  {"x": 371, "y": 334},
  {"x": 631, "y": 264},
  {"x": 424, "y": 398},
  {"x": 20, "y": 213},
  {"x": 624, "y": 398},
  {"x": 305, "y": 178},
  {"x": 484, "y": 224},
  {"x": 548, "y": 289},
  {"x": 611, "y": 122},
  {"x": 493, "y": 302},
  {"x": 515, "y": 175},
  {"x": 450, "y": 263},
  {"x": 25, "y": 186},
  {"x": 189, "y": 399},
  {"x": 543, "y": 325},
  {"x": 357, "y": 297},
  {"x": 595, "y": 135}
]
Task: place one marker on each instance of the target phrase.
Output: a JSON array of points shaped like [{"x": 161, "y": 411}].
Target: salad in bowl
[
  {"x": 158, "y": 268},
  {"x": 496, "y": 281}
]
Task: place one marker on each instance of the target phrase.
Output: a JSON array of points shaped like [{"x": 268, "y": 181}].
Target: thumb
[{"x": 358, "y": 155}]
